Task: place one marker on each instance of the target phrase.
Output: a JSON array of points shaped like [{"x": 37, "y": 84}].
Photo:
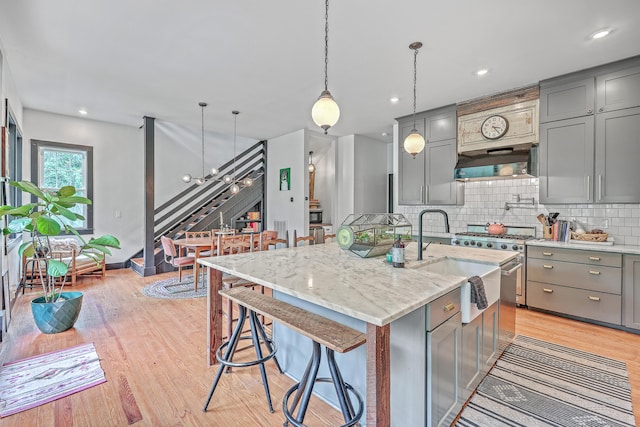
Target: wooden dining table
[{"x": 199, "y": 245}]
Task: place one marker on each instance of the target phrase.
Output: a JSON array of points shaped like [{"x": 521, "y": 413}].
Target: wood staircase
[{"x": 199, "y": 206}]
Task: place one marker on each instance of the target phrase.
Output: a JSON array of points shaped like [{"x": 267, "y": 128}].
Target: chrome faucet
[{"x": 420, "y": 215}]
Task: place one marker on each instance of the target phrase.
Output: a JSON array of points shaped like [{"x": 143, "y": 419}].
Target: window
[{"x": 54, "y": 165}]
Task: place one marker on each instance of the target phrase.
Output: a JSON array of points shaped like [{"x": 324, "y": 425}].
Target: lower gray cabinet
[
  {"x": 443, "y": 372},
  {"x": 480, "y": 344},
  {"x": 631, "y": 291}
]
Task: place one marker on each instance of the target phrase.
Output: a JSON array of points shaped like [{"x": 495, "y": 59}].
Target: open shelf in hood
[{"x": 498, "y": 164}]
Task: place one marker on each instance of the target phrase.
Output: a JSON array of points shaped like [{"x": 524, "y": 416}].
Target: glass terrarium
[{"x": 372, "y": 234}]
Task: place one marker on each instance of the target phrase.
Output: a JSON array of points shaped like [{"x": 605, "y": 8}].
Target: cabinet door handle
[
  {"x": 549, "y": 267},
  {"x": 590, "y": 110},
  {"x": 422, "y": 193},
  {"x": 589, "y": 187},
  {"x": 449, "y": 307},
  {"x": 547, "y": 253},
  {"x": 547, "y": 290},
  {"x": 601, "y": 109},
  {"x": 594, "y": 272},
  {"x": 594, "y": 258},
  {"x": 599, "y": 187},
  {"x": 594, "y": 298}
]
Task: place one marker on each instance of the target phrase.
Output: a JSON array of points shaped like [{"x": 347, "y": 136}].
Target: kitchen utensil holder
[{"x": 547, "y": 232}]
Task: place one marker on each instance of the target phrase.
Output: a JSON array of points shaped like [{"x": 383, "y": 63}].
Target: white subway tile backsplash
[{"x": 485, "y": 201}]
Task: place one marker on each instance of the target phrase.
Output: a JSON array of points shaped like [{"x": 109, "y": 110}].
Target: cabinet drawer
[
  {"x": 589, "y": 277},
  {"x": 575, "y": 302},
  {"x": 575, "y": 255},
  {"x": 443, "y": 308}
]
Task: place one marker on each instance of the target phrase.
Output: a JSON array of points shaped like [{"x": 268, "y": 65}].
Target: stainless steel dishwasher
[{"x": 510, "y": 275}]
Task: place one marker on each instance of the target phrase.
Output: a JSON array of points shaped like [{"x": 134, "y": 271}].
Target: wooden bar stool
[{"x": 325, "y": 332}]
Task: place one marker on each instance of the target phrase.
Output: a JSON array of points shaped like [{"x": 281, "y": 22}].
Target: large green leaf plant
[{"x": 49, "y": 217}]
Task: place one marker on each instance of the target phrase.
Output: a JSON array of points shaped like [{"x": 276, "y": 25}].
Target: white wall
[
  {"x": 288, "y": 151},
  {"x": 370, "y": 189},
  {"x": 117, "y": 171},
  {"x": 345, "y": 172}
]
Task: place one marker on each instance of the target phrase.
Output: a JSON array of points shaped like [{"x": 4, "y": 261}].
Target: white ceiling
[{"x": 124, "y": 59}]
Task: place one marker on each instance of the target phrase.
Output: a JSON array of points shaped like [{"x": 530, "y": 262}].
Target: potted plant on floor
[{"x": 51, "y": 215}]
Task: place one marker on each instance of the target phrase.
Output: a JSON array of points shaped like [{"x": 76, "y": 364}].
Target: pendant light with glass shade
[
  {"x": 414, "y": 142},
  {"x": 325, "y": 111},
  {"x": 227, "y": 179}
]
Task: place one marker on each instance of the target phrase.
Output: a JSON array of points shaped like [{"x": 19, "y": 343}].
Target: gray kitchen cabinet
[
  {"x": 581, "y": 283},
  {"x": 441, "y": 124},
  {"x": 425, "y": 370},
  {"x": 480, "y": 344},
  {"x": 411, "y": 173},
  {"x": 566, "y": 100},
  {"x": 587, "y": 160},
  {"x": 617, "y": 153},
  {"x": 443, "y": 372},
  {"x": 566, "y": 160},
  {"x": 618, "y": 90},
  {"x": 441, "y": 158},
  {"x": 428, "y": 179},
  {"x": 631, "y": 291}
]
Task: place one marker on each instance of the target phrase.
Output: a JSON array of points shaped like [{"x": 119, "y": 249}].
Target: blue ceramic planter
[{"x": 54, "y": 317}]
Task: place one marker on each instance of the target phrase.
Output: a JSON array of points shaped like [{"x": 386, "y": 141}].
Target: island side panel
[
  {"x": 378, "y": 411},
  {"x": 214, "y": 314}
]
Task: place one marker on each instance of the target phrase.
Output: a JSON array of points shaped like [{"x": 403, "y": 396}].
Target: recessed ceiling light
[
  {"x": 82, "y": 111},
  {"x": 394, "y": 99},
  {"x": 600, "y": 34},
  {"x": 385, "y": 133},
  {"x": 482, "y": 72}
]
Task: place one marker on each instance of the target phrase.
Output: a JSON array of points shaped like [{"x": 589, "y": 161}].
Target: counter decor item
[
  {"x": 495, "y": 228},
  {"x": 590, "y": 237},
  {"x": 372, "y": 234},
  {"x": 51, "y": 215}
]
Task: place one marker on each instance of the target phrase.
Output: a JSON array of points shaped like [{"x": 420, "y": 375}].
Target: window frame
[
  {"x": 12, "y": 166},
  {"x": 37, "y": 144}
]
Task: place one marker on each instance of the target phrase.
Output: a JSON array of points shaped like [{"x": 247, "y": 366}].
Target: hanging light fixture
[
  {"x": 187, "y": 177},
  {"x": 414, "y": 142},
  {"x": 325, "y": 111},
  {"x": 312, "y": 167},
  {"x": 227, "y": 179}
]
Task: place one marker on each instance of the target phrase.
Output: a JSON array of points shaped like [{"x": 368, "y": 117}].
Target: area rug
[
  {"x": 30, "y": 382},
  {"x": 172, "y": 288},
  {"x": 536, "y": 383}
]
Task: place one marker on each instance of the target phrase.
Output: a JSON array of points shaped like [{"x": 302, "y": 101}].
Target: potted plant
[{"x": 51, "y": 215}]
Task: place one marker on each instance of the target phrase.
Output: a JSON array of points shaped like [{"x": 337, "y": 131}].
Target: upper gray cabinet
[
  {"x": 411, "y": 177},
  {"x": 428, "y": 179},
  {"x": 567, "y": 100},
  {"x": 617, "y": 154},
  {"x": 589, "y": 130},
  {"x": 618, "y": 90}
]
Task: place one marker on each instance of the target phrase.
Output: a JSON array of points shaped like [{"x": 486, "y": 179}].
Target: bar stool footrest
[
  {"x": 352, "y": 422},
  {"x": 254, "y": 362}
]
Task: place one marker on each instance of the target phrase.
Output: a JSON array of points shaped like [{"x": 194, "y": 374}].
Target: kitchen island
[{"x": 366, "y": 289}]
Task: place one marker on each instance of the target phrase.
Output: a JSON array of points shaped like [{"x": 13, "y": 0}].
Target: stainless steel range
[{"x": 512, "y": 239}]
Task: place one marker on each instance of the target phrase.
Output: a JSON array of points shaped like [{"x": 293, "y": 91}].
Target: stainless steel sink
[{"x": 490, "y": 275}]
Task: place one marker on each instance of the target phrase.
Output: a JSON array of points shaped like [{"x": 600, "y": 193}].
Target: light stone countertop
[
  {"x": 368, "y": 289},
  {"x": 621, "y": 249}
]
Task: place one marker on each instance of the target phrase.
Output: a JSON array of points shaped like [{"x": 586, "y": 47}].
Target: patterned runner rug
[
  {"x": 536, "y": 383},
  {"x": 173, "y": 289},
  {"x": 30, "y": 382}
]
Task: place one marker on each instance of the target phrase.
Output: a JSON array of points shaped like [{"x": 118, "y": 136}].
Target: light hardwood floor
[{"x": 153, "y": 354}]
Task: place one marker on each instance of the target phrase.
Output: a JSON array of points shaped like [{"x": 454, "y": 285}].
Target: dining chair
[
  {"x": 171, "y": 257},
  {"x": 228, "y": 245},
  {"x": 329, "y": 237},
  {"x": 202, "y": 234},
  {"x": 267, "y": 241},
  {"x": 300, "y": 241}
]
